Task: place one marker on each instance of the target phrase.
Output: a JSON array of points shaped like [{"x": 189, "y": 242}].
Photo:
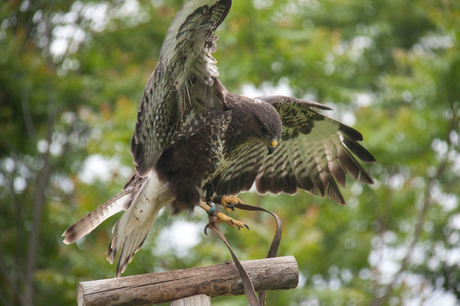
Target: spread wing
[
  {"x": 183, "y": 84},
  {"x": 314, "y": 154}
]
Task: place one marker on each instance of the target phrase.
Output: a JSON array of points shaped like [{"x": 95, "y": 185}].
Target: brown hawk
[{"x": 190, "y": 132}]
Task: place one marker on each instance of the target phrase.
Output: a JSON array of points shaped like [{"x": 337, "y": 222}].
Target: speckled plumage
[
  {"x": 190, "y": 131},
  {"x": 314, "y": 153}
]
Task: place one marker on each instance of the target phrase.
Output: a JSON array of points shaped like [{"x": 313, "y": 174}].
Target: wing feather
[
  {"x": 315, "y": 153},
  {"x": 240, "y": 175},
  {"x": 357, "y": 149},
  {"x": 184, "y": 83},
  {"x": 248, "y": 162},
  {"x": 254, "y": 163}
]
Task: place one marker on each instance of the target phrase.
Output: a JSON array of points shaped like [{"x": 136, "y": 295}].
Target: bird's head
[
  {"x": 270, "y": 139},
  {"x": 268, "y": 126}
]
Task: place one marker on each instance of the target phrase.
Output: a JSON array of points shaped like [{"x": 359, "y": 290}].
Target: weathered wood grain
[{"x": 196, "y": 300}]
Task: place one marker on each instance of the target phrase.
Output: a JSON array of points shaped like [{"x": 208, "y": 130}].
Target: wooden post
[
  {"x": 196, "y": 300},
  {"x": 218, "y": 280}
]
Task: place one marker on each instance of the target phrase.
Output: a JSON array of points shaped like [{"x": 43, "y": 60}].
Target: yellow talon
[
  {"x": 230, "y": 221},
  {"x": 227, "y": 202},
  {"x": 222, "y": 218}
]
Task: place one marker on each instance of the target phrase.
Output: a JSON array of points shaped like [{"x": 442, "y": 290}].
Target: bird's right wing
[{"x": 184, "y": 80}]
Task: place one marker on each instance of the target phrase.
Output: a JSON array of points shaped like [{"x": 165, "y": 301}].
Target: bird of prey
[{"x": 191, "y": 132}]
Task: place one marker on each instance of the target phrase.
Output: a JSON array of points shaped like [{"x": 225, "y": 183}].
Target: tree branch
[{"x": 41, "y": 185}]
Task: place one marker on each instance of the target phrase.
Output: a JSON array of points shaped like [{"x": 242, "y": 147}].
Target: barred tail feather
[
  {"x": 88, "y": 223},
  {"x": 134, "y": 225}
]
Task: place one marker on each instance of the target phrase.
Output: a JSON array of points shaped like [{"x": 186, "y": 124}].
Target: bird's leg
[
  {"x": 227, "y": 202},
  {"x": 216, "y": 217}
]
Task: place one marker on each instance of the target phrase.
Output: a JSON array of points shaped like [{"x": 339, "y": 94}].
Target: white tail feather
[{"x": 134, "y": 225}]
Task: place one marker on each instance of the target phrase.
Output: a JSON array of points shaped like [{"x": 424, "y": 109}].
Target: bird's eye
[{"x": 264, "y": 130}]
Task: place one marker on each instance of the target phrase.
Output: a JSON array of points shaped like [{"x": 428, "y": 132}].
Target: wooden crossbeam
[{"x": 218, "y": 280}]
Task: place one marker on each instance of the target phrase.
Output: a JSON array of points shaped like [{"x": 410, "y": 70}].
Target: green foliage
[{"x": 390, "y": 68}]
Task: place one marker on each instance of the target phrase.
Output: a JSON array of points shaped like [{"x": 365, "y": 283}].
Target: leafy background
[{"x": 71, "y": 77}]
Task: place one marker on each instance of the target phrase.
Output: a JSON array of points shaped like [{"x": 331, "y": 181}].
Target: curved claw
[
  {"x": 230, "y": 221},
  {"x": 231, "y": 206},
  {"x": 216, "y": 217}
]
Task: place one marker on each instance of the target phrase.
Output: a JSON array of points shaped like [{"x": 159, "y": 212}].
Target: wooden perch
[{"x": 218, "y": 280}]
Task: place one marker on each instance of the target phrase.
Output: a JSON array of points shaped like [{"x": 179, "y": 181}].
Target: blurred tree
[{"x": 72, "y": 74}]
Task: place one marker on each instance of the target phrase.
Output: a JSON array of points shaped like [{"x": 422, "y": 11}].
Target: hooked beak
[{"x": 271, "y": 146}]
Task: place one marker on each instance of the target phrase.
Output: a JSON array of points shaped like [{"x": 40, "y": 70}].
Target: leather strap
[
  {"x": 273, "y": 251},
  {"x": 247, "y": 283}
]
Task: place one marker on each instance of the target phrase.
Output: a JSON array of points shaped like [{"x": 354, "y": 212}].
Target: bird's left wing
[
  {"x": 315, "y": 152},
  {"x": 185, "y": 78}
]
